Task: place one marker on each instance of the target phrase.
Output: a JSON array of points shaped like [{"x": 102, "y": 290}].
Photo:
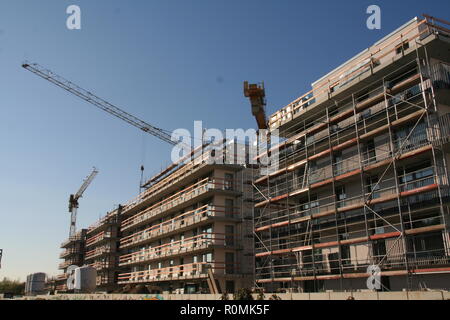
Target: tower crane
[
  {"x": 1, "y": 253},
  {"x": 73, "y": 201},
  {"x": 99, "y": 102}
]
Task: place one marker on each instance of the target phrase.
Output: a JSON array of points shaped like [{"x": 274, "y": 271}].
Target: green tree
[
  {"x": 243, "y": 294},
  {"x": 12, "y": 286}
]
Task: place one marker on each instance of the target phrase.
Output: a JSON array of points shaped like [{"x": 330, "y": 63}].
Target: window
[
  {"x": 401, "y": 48},
  {"x": 337, "y": 163},
  {"x": 207, "y": 257},
  {"x": 332, "y": 111},
  {"x": 370, "y": 155},
  {"x": 334, "y": 128},
  {"x": 228, "y": 181},
  {"x": 229, "y": 235},
  {"x": 340, "y": 196},
  {"x": 312, "y": 203},
  {"x": 229, "y": 262},
  {"x": 365, "y": 114},
  {"x": 229, "y": 207},
  {"x": 407, "y": 142},
  {"x": 372, "y": 187},
  {"x": 416, "y": 177}
]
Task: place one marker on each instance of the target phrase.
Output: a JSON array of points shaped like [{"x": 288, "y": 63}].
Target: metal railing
[
  {"x": 199, "y": 242},
  {"x": 189, "y": 193},
  {"x": 184, "y": 220}
]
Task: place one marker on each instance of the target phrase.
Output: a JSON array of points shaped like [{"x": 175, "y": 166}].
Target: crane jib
[{"x": 98, "y": 102}]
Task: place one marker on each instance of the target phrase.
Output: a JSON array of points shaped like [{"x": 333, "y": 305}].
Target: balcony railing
[
  {"x": 65, "y": 264},
  {"x": 179, "y": 272},
  {"x": 62, "y": 287},
  {"x": 180, "y": 197},
  {"x": 383, "y": 192},
  {"x": 98, "y": 238},
  {"x": 331, "y": 264},
  {"x": 77, "y": 237},
  {"x": 69, "y": 252},
  {"x": 182, "y": 221},
  {"x": 414, "y": 142},
  {"x": 98, "y": 252},
  {"x": 110, "y": 218},
  {"x": 101, "y": 265},
  {"x": 198, "y": 242},
  {"x": 63, "y": 276}
]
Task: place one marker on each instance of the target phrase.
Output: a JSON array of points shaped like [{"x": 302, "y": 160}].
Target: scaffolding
[
  {"x": 383, "y": 139},
  {"x": 190, "y": 197}
]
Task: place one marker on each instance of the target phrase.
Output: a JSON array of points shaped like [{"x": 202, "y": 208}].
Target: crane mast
[
  {"x": 73, "y": 201},
  {"x": 98, "y": 102},
  {"x": 1, "y": 254}
]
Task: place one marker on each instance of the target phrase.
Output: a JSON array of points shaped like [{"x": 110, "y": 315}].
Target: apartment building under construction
[
  {"x": 191, "y": 230},
  {"x": 73, "y": 254},
  {"x": 363, "y": 172},
  {"x": 101, "y": 249}
]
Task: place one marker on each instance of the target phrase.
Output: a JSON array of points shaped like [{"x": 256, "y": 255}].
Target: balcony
[
  {"x": 421, "y": 182},
  {"x": 189, "y": 245},
  {"x": 102, "y": 265},
  {"x": 61, "y": 277},
  {"x": 62, "y": 287},
  {"x": 98, "y": 252},
  {"x": 196, "y": 270},
  {"x": 104, "y": 280},
  {"x": 179, "y": 223},
  {"x": 344, "y": 167},
  {"x": 330, "y": 264},
  {"x": 108, "y": 220},
  {"x": 171, "y": 179},
  {"x": 69, "y": 252},
  {"x": 65, "y": 264},
  {"x": 98, "y": 238},
  {"x": 78, "y": 237},
  {"x": 177, "y": 199}
]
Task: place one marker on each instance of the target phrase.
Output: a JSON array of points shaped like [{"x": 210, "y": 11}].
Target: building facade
[
  {"x": 362, "y": 179},
  {"x": 191, "y": 230},
  {"x": 101, "y": 250},
  {"x": 73, "y": 254}
]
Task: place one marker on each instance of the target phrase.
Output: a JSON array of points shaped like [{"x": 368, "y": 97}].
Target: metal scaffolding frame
[{"x": 426, "y": 113}]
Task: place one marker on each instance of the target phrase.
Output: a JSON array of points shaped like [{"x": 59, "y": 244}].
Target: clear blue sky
[{"x": 168, "y": 62}]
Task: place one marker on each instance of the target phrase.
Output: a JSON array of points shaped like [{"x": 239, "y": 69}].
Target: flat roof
[{"x": 415, "y": 19}]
